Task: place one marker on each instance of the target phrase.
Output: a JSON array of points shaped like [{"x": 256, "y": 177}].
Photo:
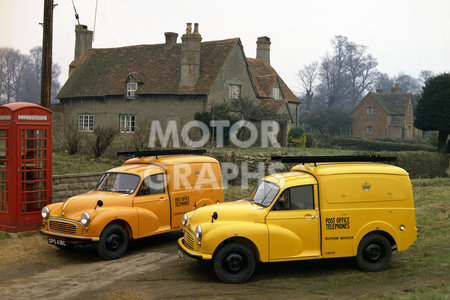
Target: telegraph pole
[{"x": 46, "y": 75}]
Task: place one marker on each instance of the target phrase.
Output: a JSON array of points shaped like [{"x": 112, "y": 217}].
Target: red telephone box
[{"x": 25, "y": 165}]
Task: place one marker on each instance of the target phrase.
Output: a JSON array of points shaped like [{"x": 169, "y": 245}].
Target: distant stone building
[
  {"x": 128, "y": 87},
  {"x": 391, "y": 115}
]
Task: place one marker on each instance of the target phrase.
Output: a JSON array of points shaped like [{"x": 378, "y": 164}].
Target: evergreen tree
[{"x": 433, "y": 110}]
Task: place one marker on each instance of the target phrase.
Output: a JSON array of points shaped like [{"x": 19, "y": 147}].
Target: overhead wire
[
  {"x": 95, "y": 18},
  {"x": 77, "y": 17}
]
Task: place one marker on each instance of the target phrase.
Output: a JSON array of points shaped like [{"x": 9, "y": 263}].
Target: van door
[
  {"x": 152, "y": 201},
  {"x": 293, "y": 224}
]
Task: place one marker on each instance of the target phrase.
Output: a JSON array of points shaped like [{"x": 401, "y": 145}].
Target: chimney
[
  {"x": 83, "y": 42},
  {"x": 263, "y": 49},
  {"x": 396, "y": 88},
  {"x": 190, "y": 56},
  {"x": 171, "y": 39},
  {"x": 379, "y": 88}
]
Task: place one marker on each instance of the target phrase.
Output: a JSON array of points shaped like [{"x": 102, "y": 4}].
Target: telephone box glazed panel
[{"x": 25, "y": 165}]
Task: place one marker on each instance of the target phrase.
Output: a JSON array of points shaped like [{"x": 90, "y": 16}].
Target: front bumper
[
  {"x": 192, "y": 253},
  {"x": 68, "y": 237}
]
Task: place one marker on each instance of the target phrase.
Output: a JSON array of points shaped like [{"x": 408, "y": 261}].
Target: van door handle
[
  {"x": 163, "y": 199},
  {"x": 310, "y": 217}
]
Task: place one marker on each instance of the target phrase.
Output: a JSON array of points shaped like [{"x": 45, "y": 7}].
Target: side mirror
[
  {"x": 214, "y": 217},
  {"x": 99, "y": 204}
]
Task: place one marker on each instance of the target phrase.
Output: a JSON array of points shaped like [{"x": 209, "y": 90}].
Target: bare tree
[
  {"x": 12, "y": 66},
  {"x": 361, "y": 69},
  {"x": 425, "y": 75},
  {"x": 345, "y": 75},
  {"x": 308, "y": 78},
  {"x": 408, "y": 84},
  {"x": 384, "y": 82},
  {"x": 20, "y": 75}
]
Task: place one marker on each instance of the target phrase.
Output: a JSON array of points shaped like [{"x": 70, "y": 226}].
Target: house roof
[
  {"x": 394, "y": 103},
  {"x": 265, "y": 78},
  {"x": 102, "y": 72}
]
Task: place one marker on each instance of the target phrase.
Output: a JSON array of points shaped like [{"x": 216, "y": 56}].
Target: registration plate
[
  {"x": 181, "y": 255},
  {"x": 57, "y": 242}
]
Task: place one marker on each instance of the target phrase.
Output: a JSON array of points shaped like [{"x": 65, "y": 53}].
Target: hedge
[
  {"x": 422, "y": 164},
  {"x": 374, "y": 145}
]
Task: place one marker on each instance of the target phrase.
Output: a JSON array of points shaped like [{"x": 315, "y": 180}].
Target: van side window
[
  {"x": 296, "y": 198},
  {"x": 302, "y": 197},
  {"x": 153, "y": 184}
]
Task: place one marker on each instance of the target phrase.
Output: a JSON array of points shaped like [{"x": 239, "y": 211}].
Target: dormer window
[
  {"x": 131, "y": 89},
  {"x": 276, "y": 93},
  {"x": 132, "y": 85}
]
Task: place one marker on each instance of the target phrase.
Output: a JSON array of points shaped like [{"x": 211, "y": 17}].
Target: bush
[
  {"x": 72, "y": 139},
  {"x": 140, "y": 138},
  {"x": 102, "y": 138},
  {"x": 296, "y": 137},
  {"x": 374, "y": 145}
]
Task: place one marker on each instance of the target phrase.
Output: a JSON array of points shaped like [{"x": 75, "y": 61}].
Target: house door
[{"x": 293, "y": 224}]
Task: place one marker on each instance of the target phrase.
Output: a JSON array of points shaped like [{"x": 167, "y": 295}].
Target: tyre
[
  {"x": 374, "y": 253},
  {"x": 113, "y": 242},
  {"x": 234, "y": 263}
]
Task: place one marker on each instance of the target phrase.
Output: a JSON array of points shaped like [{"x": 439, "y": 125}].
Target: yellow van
[
  {"x": 148, "y": 195},
  {"x": 332, "y": 207}
]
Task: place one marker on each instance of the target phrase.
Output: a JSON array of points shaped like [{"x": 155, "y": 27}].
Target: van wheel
[
  {"x": 234, "y": 263},
  {"x": 374, "y": 253},
  {"x": 113, "y": 242}
]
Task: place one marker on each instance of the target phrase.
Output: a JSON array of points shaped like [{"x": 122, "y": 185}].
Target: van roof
[
  {"x": 349, "y": 168},
  {"x": 171, "y": 159},
  {"x": 287, "y": 179}
]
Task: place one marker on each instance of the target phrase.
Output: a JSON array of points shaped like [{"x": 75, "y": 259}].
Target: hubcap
[
  {"x": 373, "y": 252},
  {"x": 113, "y": 242},
  {"x": 234, "y": 262}
]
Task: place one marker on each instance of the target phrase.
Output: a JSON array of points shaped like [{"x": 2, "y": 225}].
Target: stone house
[
  {"x": 128, "y": 87},
  {"x": 390, "y": 115}
]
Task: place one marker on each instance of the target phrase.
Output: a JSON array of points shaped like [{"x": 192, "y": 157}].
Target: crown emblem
[{"x": 366, "y": 187}]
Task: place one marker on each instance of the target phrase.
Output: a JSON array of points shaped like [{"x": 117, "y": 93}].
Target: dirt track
[{"x": 32, "y": 269}]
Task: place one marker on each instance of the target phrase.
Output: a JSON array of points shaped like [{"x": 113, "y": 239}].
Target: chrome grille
[
  {"x": 189, "y": 239},
  {"x": 63, "y": 227}
]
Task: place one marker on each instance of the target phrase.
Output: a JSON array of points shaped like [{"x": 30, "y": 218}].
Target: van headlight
[
  {"x": 184, "y": 220},
  {"x": 85, "y": 219},
  {"x": 45, "y": 212},
  {"x": 198, "y": 234}
]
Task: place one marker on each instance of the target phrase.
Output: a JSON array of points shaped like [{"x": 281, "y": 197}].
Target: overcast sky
[{"x": 403, "y": 35}]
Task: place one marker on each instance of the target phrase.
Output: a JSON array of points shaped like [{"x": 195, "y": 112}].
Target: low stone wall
[{"x": 68, "y": 185}]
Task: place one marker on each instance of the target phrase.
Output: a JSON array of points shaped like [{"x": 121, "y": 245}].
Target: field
[{"x": 30, "y": 268}]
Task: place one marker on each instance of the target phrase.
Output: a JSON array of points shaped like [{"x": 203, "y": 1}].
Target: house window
[
  {"x": 86, "y": 122},
  {"x": 276, "y": 93},
  {"x": 369, "y": 130},
  {"x": 409, "y": 110},
  {"x": 369, "y": 110},
  {"x": 127, "y": 123},
  {"x": 409, "y": 131},
  {"x": 131, "y": 89},
  {"x": 235, "y": 91}
]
